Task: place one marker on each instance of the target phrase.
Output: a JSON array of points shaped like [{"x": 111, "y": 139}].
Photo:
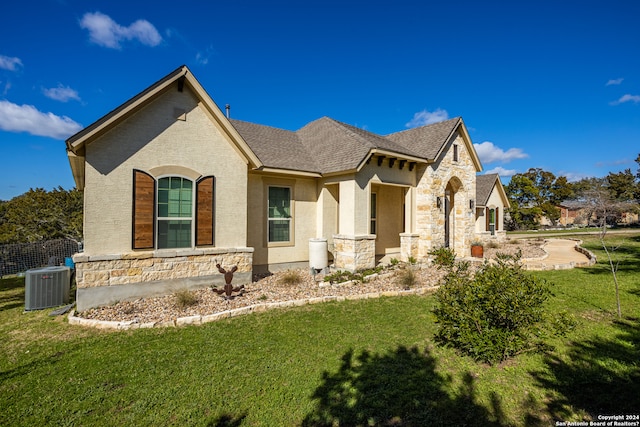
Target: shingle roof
[
  {"x": 427, "y": 140},
  {"x": 484, "y": 185},
  {"x": 327, "y": 145},
  {"x": 276, "y": 148}
]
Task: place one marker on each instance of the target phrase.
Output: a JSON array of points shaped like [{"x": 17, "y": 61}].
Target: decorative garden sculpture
[{"x": 228, "y": 289}]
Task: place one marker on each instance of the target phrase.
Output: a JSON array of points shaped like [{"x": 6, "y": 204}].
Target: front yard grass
[{"x": 367, "y": 362}]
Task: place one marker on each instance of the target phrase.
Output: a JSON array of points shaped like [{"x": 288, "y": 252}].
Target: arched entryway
[{"x": 453, "y": 187}]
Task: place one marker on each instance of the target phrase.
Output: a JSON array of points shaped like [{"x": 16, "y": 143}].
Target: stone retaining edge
[{"x": 256, "y": 308}]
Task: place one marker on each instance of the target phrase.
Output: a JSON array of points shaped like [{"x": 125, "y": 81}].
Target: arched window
[{"x": 172, "y": 212}]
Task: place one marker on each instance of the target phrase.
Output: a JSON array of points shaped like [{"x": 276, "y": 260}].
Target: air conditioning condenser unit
[{"x": 47, "y": 287}]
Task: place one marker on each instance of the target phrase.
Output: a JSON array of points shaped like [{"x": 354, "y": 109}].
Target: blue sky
[{"x": 548, "y": 84}]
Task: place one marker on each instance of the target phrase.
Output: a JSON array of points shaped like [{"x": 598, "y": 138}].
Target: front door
[{"x": 447, "y": 223}]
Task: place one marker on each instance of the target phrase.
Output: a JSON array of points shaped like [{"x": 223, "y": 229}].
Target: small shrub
[
  {"x": 496, "y": 314},
  {"x": 345, "y": 276},
  {"x": 493, "y": 245},
  {"x": 515, "y": 242},
  {"x": 337, "y": 277},
  {"x": 411, "y": 260},
  {"x": 407, "y": 278},
  {"x": 185, "y": 298},
  {"x": 443, "y": 257},
  {"x": 290, "y": 278},
  {"x": 394, "y": 262}
]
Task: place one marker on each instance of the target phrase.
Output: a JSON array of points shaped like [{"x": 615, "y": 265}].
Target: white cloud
[
  {"x": 502, "y": 171},
  {"x": 627, "y": 98},
  {"x": 104, "y": 31},
  {"x": 26, "y": 118},
  {"x": 202, "y": 58},
  {"x": 61, "y": 93},
  {"x": 424, "y": 117},
  {"x": 614, "y": 81},
  {"x": 573, "y": 176},
  {"x": 489, "y": 153},
  {"x": 10, "y": 63}
]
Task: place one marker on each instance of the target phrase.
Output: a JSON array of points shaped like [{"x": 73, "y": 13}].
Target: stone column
[
  {"x": 354, "y": 253},
  {"x": 409, "y": 244}
]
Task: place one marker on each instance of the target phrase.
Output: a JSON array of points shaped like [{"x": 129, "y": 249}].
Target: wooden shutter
[
  {"x": 497, "y": 219},
  {"x": 205, "y": 211},
  {"x": 144, "y": 207},
  {"x": 486, "y": 216}
]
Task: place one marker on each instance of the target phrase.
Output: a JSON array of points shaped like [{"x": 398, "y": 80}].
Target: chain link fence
[{"x": 19, "y": 257}]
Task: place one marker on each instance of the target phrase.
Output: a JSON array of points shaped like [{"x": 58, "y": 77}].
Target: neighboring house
[
  {"x": 491, "y": 202},
  {"x": 173, "y": 187},
  {"x": 571, "y": 212}
]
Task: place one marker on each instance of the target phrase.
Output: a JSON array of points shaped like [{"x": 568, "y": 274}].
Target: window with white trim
[
  {"x": 279, "y": 215},
  {"x": 175, "y": 212}
]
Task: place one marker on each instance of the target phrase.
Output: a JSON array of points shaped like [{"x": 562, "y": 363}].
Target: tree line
[
  {"x": 41, "y": 215},
  {"x": 537, "y": 194}
]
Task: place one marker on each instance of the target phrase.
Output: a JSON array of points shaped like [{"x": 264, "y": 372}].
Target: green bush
[
  {"x": 496, "y": 313},
  {"x": 443, "y": 257},
  {"x": 345, "y": 276}
]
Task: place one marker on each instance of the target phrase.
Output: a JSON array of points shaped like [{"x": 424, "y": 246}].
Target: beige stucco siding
[
  {"x": 495, "y": 201},
  {"x": 157, "y": 141},
  {"x": 304, "y": 192},
  {"x": 390, "y": 216}
]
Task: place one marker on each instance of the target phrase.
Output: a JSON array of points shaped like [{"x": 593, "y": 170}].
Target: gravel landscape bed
[{"x": 274, "y": 289}]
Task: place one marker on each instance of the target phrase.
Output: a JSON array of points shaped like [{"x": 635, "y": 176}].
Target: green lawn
[{"x": 370, "y": 362}]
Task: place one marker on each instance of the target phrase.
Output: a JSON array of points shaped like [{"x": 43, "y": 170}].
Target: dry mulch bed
[{"x": 276, "y": 288}]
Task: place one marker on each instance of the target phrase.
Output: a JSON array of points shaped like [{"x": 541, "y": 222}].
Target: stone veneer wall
[
  {"x": 429, "y": 223},
  {"x": 354, "y": 253},
  {"x": 486, "y": 237},
  {"x": 106, "y": 279},
  {"x": 409, "y": 246}
]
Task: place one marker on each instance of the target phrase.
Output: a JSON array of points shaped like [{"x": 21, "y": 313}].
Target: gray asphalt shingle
[{"x": 327, "y": 145}]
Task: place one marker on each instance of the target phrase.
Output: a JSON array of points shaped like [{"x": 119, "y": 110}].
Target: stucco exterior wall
[
  {"x": 156, "y": 139},
  {"x": 304, "y": 193},
  {"x": 495, "y": 201},
  {"x": 390, "y": 217}
]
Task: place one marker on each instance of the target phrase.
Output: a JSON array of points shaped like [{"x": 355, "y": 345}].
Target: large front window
[
  {"x": 279, "y": 214},
  {"x": 175, "y": 212}
]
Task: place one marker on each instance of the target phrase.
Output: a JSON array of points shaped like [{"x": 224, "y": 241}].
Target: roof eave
[
  {"x": 390, "y": 154},
  {"x": 281, "y": 171},
  {"x": 76, "y": 142}
]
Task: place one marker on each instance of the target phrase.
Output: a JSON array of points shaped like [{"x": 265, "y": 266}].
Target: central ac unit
[{"x": 47, "y": 287}]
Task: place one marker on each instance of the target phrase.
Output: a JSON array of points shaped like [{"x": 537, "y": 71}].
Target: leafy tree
[
  {"x": 41, "y": 215},
  {"x": 534, "y": 194},
  {"x": 622, "y": 185}
]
